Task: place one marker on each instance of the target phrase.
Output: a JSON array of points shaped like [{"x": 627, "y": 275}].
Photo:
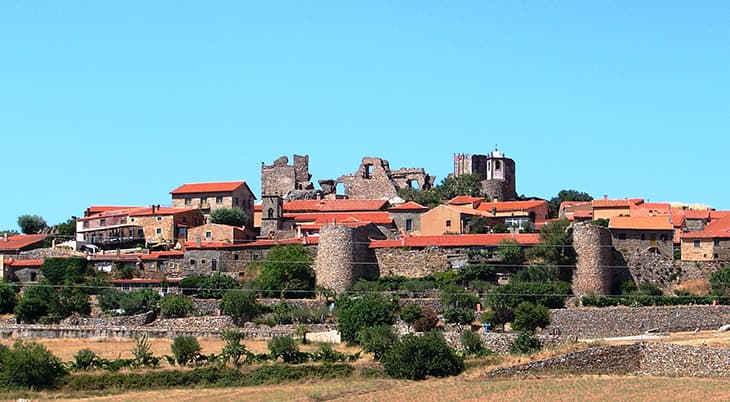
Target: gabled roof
[
  {"x": 19, "y": 242},
  {"x": 96, "y": 209},
  {"x": 15, "y": 263},
  {"x": 156, "y": 255},
  {"x": 696, "y": 214},
  {"x": 147, "y": 211},
  {"x": 491, "y": 239},
  {"x": 624, "y": 203},
  {"x": 566, "y": 204},
  {"x": 503, "y": 206},
  {"x": 717, "y": 229},
  {"x": 465, "y": 199},
  {"x": 215, "y": 187},
  {"x": 408, "y": 206},
  {"x": 660, "y": 222},
  {"x": 339, "y": 205},
  {"x": 378, "y": 218}
]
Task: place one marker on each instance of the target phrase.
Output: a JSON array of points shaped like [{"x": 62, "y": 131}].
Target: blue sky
[{"x": 121, "y": 102}]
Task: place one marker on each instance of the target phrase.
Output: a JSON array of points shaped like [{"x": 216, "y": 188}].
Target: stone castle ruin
[
  {"x": 497, "y": 173},
  {"x": 375, "y": 181}
]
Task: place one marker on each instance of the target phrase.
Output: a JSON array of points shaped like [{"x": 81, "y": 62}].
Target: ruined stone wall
[
  {"x": 372, "y": 181},
  {"x": 594, "y": 263},
  {"x": 280, "y": 178},
  {"x": 406, "y": 177},
  {"x": 412, "y": 263}
]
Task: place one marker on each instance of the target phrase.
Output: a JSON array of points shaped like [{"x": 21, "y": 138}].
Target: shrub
[
  {"x": 453, "y": 296},
  {"x": 86, "y": 359},
  {"x": 30, "y": 309},
  {"x": 427, "y": 322},
  {"x": 361, "y": 312},
  {"x": 416, "y": 357},
  {"x": 549, "y": 294},
  {"x": 8, "y": 298},
  {"x": 185, "y": 348},
  {"x": 287, "y": 272},
  {"x": 216, "y": 285},
  {"x": 472, "y": 343},
  {"x": 191, "y": 285},
  {"x": 459, "y": 316},
  {"x": 525, "y": 343},
  {"x": 175, "y": 306},
  {"x": 501, "y": 316},
  {"x": 720, "y": 281},
  {"x": 240, "y": 304},
  {"x": 233, "y": 349},
  {"x": 142, "y": 352},
  {"x": 529, "y": 317},
  {"x": 410, "y": 313},
  {"x": 109, "y": 299},
  {"x": 139, "y": 301},
  {"x": 377, "y": 340},
  {"x": 284, "y": 347},
  {"x": 30, "y": 364}
]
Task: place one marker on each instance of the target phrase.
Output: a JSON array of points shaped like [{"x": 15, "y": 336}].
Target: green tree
[
  {"x": 228, "y": 216},
  {"x": 239, "y": 304},
  {"x": 31, "y": 365},
  {"x": 287, "y": 272},
  {"x": 411, "y": 313},
  {"x": 427, "y": 322},
  {"x": 720, "y": 281},
  {"x": 377, "y": 340},
  {"x": 214, "y": 286},
  {"x": 525, "y": 343},
  {"x": 8, "y": 298},
  {"x": 472, "y": 343},
  {"x": 428, "y": 198},
  {"x": 416, "y": 357},
  {"x": 85, "y": 359},
  {"x": 556, "y": 246},
  {"x": 467, "y": 184},
  {"x": 109, "y": 299},
  {"x": 66, "y": 229},
  {"x": 529, "y": 317},
  {"x": 58, "y": 271},
  {"x": 30, "y": 224},
  {"x": 233, "y": 349},
  {"x": 175, "y": 306},
  {"x": 357, "y": 313},
  {"x": 566, "y": 195},
  {"x": 139, "y": 301},
  {"x": 479, "y": 224},
  {"x": 510, "y": 252},
  {"x": 284, "y": 347},
  {"x": 142, "y": 352},
  {"x": 454, "y": 296},
  {"x": 185, "y": 348}
]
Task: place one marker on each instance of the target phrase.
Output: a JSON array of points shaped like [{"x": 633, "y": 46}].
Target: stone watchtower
[
  {"x": 272, "y": 209},
  {"x": 496, "y": 171},
  {"x": 594, "y": 260}
]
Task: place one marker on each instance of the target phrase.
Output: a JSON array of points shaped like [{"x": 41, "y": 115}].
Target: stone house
[
  {"x": 109, "y": 227},
  {"x": 210, "y": 196},
  {"x": 163, "y": 263},
  {"x": 161, "y": 286},
  {"x": 407, "y": 217},
  {"x": 418, "y": 256},
  {"x": 14, "y": 245},
  {"x": 214, "y": 232},
  {"x": 375, "y": 180},
  {"x": 642, "y": 234},
  {"x": 25, "y": 271},
  {"x": 165, "y": 226},
  {"x": 710, "y": 244}
]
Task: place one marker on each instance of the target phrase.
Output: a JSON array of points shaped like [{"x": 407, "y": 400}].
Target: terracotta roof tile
[
  {"x": 156, "y": 255},
  {"x": 215, "y": 187},
  {"x": 408, "y": 206},
  {"x": 492, "y": 239},
  {"x": 378, "y": 218},
  {"x": 660, "y": 222},
  {"x": 511, "y": 205},
  {"x": 340, "y": 205},
  {"x": 147, "y": 211},
  {"x": 465, "y": 199},
  {"x": 19, "y": 242},
  {"x": 24, "y": 263},
  {"x": 626, "y": 202},
  {"x": 717, "y": 229}
]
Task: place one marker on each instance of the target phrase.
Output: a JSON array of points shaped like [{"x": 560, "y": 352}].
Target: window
[
  {"x": 159, "y": 219},
  {"x": 214, "y": 264},
  {"x": 33, "y": 276},
  {"x": 368, "y": 173},
  {"x": 202, "y": 262},
  {"x": 643, "y": 236},
  {"x": 208, "y": 235},
  {"x": 622, "y": 236},
  {"x": 717, "y": 243},
  {"x": 235, "y": 257},
  {"x": 409, "y": 224},
  {"x": 203, "y": 200},
  {"x": 270, "y": 213},
  {"x": 140, "y": 233},
  {"x": 123, "y": 221},
  {"x": 86, "y": 224},
  {"x": 188, "y": 201},
  {"x": 696, "y": 243},
  {"x": 102, "y": 222},
  {"x": 158, "y": 230},
  {"x": 219, "y": 200},
  {"x": 192, "y": 262},
  {"x": 131, "y": 220},
  {"x": 448, "y": 223},
  {"x": 235, "y": 200},
  {"x": 497, "y": 165}
]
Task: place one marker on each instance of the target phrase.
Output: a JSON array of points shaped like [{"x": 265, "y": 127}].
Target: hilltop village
[{"x": 369, "y": 231}]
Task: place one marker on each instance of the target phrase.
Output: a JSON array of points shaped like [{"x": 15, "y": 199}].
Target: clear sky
[{"x": 118, "y": 103}]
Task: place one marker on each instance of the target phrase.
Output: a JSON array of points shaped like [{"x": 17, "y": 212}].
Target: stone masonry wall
[
  {"x": 594, "y": 263},
  {"x": 333, "y": 265},
  {"x": 411, "y": 263}
]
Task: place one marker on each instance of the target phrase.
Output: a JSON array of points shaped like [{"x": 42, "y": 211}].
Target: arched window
[{"x": 270, "y": 213}]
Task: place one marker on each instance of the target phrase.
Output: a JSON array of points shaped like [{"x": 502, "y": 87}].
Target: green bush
[
  {"x": 377, "y": 340},
  {"x": 86, "y": 359},
  {"x": 529, "y": 317},
  {"x": 427, "y": 322},
  {"x": 216, "y": 285},
  {"x": 139, "y": 301},
  {"x": 284, "y": 347},
  {"x": 233, "y": 349},
  {"x": 416, "y": 357},
  {"x": 142, "y": 352},
  {"x": 410, "y": 313},
  {"x": 241, "y": 305},
  {"x": 472, "y": 343},
  {"x": 175, "y": 306},
  {"x": 287, "y": 272},
  {"x": 185, "y": 348},
  {"x": 31, "y": 365},
  {"x": 453, "y": 296},
  {"x": 720, "y": 281},
  {"x": 191, "y": 284},
  {"x": 525, "y": 343},
  {"x": 30, "y": 309},
  {"x": 8, "y": 298},
  {"x": 644, "y": 300},
  {"x": 109, "y": 299},
  {"x": 357, "y": 313},
  {"x": 459, "y": 316},
  {"x": 548, "y": 294}
]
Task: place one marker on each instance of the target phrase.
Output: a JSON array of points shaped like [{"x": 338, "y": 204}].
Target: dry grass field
[{"x": 470, "y": 386}]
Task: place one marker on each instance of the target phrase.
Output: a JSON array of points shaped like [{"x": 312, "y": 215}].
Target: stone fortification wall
[
  {"x": 594, "y": 263},
  {"x": 412, "y": 263},
  {"x": 280, "y": 178},
  {"x": 594, "y": 322},
  {"x": 333, "y": 267},
  {"x": 654, "y": 359}
]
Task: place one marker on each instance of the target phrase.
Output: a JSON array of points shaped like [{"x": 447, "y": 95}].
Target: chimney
[
  {"x": 5, "y": 235},
  {"x": 605, "y": 196},
  {"x": 198, "y": 241}
]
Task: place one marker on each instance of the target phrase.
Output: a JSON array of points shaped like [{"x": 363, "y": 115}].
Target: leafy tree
[
  {"x": 9, "y": 232},
  {"x": 142, "y": 352},
  {"x": 29, "y": 310},
  {"x": 37, "y": 302},
  {"x": 191, "y": 285},
  {"x": 30, "y": 364},
  {"x": 377, "y": 340},
  {"x": 499, "y": 316},
  {"x": 85, "y": 359},
  {"x": 537, "y": 273},
  {"x": 410, "y": 313},
  {"x": 427, "y": 322},
  {"x": 357, "y": 313},
  {"x": 467, "y": 184},
  {"x": 228, "y": 216},
  {"x": 454, "y": 296},
  {"x": 287, "y": 272},
  {"x": 472, "y": 343},
  {"x": 233, "y": 349},
  {"x": 479, "y": 224},
  {"x": 529, "y": 317},
  {"x": 720, "y": 281},
  {"x": 566, "y": 195},
  {"x": 214, "y": 286},
  {"x": 8, "y": 298},
  {"x": 510, "y": 252},
  {"x": 58, "y": 271},
  {"x": 482, "y": 272},
  {"x": 500, "y": 227},
  {"x": 549, "y": 294},
  {"x": 175, "y": 306},
  {"x": 556, "y": 246},
  {"x": 525, "y": 343},
  {"x": 240, "y": 304},
  {"x": 139, "y": 301},
  {"x": 428, "y": 198},
  {"x": 185, "y": 348},
  {"x": 284, "y": 347},
  {"x": 110, "y": 298},
  {"x": 459, "y": 316},
  {"x": 416, "y": 357},
  {"x": 30, "y": 224},
  {"x": 66, "y": 229}
]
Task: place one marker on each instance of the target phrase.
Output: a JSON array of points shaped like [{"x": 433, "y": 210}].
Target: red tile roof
[
  {"x": 717, "y": 229},
  {"x": 378, "y": 218},
  {"x": 583, "y": 214},
  {"x": 566, "y": 204},
  {"x": 465, "y": 199},
  {"x": 216, "y": 187},
  {"x": 660, "y": 222},
  {"x": 24, "y": 263},
  {"x": 625, "y": 203},
  {"x": 147, "y": 211},
  {"x": 719, "y": 214},
  {"x": 96, "y": 209},
  {"x": 19, "y": 242},
  {"x": 339, "y": 205},
  {"x": 156, "y": 255},
  {"x": 511, "y": 205},
  {"x": 146, "y": 280},
  {"x": 408, "y": 206},
  {"x": 492, "y": 239}
]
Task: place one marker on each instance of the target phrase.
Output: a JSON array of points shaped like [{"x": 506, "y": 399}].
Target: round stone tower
[
  {"x": 335, "y": 255},
  {"x": 594, "y": 263},
  {"x": 499, "y": 180}
]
